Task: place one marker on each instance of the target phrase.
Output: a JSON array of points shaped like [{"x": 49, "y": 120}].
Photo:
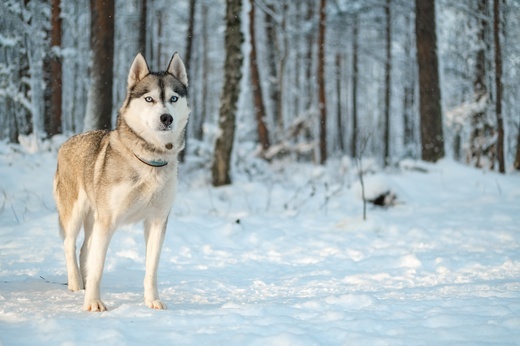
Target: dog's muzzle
[{"x": 166, "y": 120}]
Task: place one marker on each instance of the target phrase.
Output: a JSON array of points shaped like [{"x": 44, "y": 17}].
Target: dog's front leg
[
  {"x": 154, "y": 236},
  {"x": 99, "y": 241}
]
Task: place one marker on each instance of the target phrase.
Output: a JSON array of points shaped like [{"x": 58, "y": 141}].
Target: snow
[{"x": 281, "y": 257}]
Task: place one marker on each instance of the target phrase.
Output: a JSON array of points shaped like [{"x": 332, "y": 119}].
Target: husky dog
[{"x": 105, "y": 179}]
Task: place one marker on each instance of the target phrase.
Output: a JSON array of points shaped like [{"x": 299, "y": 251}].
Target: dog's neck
[
  {"x": 152, "y": 163},
  {"x": 142, "y": 150}
]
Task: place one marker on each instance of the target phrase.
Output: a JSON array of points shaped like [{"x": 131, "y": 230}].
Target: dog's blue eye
[
  {"x": 174, "y": 99},
  {"x": 148, "y": 99}
]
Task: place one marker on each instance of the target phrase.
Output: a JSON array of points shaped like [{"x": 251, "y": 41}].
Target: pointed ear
[
  {"x": 138, "y": 70},
  {"x": 177, "y": 69}
]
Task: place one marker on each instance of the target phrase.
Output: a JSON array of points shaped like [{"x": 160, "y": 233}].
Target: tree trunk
[
  {"x": 388, "y": 70},
  {"x": 432, "y": 139},
  {"x": 339, "y": 115},
  {"x": 355, "y": 52},
  {"x": 191, "y": 72},
  {"x": 409, "y": 92},
  {"x": 256, "y": 85},
  {"x": 54, "y": 78},
  {"x": 320, "y": 77},
  {"x": 481, "y": 130},
  {"x": 517, "y": 156},
  {"x": 199, "y": 131},
  {"x": 273, "y": 54},
  {"x": 99, "y": 104},
  {"x": 230, "y": 93},
  {"x": 498, "y": 84},
  {"x": 141, "y": 39}
]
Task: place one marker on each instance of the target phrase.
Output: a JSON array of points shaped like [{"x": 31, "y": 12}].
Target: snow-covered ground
[{"x": 281, "y": 257}]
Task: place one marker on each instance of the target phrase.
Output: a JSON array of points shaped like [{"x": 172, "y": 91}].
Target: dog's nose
[{"x": 166, "y": 119}]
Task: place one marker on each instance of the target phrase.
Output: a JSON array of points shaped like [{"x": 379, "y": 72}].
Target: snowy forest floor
[{"x": 281, "y": 257}]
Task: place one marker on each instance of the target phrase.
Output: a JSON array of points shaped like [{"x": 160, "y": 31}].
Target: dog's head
[{"x": 156, "y": 105}]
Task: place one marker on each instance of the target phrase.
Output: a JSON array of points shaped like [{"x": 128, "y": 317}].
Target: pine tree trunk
[
  {"x": 355, "y": 52},
  {"x": 191, "y": 72},
  {"x": 388, "y": 70},
  {"x": 517, "y": 156},
  {"x": 54, "y": 78},
  {"x": 432, "y": 139},
  {"x": 141, "y": 39},
  {"x": 498, "y": 84},
  {"x": 230, "y": 93},
  {"x": 320, "y": 77},
  {"x": 199, "y": 131},
  {"x": 256, "y": 85},
  {"x": 481, "y": 129},
  {"x": 272, "y": 65},
  {"x": 339, "y": 113},
  {"x": 99, "y": 104}
]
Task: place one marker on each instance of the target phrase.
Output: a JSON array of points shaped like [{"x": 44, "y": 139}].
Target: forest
[{"x": 314, "y": 79}]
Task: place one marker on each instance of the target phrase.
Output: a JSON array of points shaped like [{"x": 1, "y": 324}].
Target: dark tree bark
[
  {"x": 409, "y": 90},
  {"x": 481, "y": 130},
  {"x": 355, "y": 52},
  {"x": 99, "y": 104},
  {"x": 274, "y": 63},
  {"x": 141, "y": 39},
  {"x": 256, "y": 85},
  {"x": 53, "y": 112},
  {"x": 230, "y": 93},
  {"x": 339, "y": 113},
  {"x": 190, "y": 70},
  {"x": 498, "y": 86},
  {"x": 320, "y": 77},
  {"x": 199, "y": 131},
  {"x": 432, "y": 139},
  {"x": 516, "y": 164},
  {"x": 388, "y": 87}
]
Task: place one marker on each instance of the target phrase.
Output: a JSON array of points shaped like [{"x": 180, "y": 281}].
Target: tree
[
  {"x": 320, "y": 76},
  {"x": 230, "y": 93},
  {"x": 189, "y": 68},
  {"x": 54, "y": 78},
  {"x": 432, "y": 139},
  {"x": 339, "y": 115},
  {"x": 355, "y": 68},
  {"x": 388, "y": 86},
  {"x": 141, "y": 38},
  {"x": 481, "y": 143},
  {"x": 99, "y": 105},
  {"x": 498, "y": 86},
  {"x": 256, "y": 85}
]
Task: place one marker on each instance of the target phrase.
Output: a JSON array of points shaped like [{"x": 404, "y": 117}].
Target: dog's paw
[
  {"x": 75, "y": 284},
  {"x": 156, "y": 304},
  {"x": 95, "y": 306}
]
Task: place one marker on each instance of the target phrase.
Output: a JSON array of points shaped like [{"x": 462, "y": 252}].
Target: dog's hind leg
[
  {"x": 154, "y": 236},
  {"x": 70, "y": 227},
  {"x": 88, "y": 224}
]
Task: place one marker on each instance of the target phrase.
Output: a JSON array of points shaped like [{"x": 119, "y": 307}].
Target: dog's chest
[{"x": 139, "y": 198}]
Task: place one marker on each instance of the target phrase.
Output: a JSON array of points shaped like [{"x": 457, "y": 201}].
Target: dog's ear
[
  {"x": 138, "y": 70},
  {"x": 177, "y": 69}
]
